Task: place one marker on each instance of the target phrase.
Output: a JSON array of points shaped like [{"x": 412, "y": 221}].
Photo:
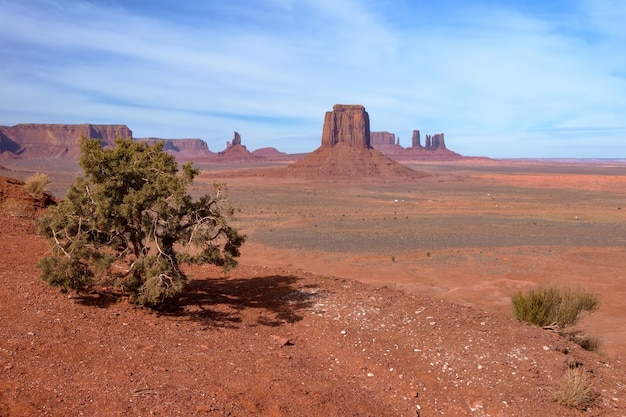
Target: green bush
[
  {"x": 129, "y": 222},
  {"x": 552, "y": 306}
]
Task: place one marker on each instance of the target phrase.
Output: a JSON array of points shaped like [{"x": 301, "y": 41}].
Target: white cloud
[{"x": 482, "y": 74}]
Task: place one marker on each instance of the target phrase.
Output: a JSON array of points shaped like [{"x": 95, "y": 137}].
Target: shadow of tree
[
  {"x": 98, "y": 298},
  {"x": 222, "y": 302}
]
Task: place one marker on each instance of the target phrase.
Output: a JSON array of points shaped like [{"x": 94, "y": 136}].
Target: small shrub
[
  {"x": 552, "y": 306},
  {"x": 575, "y": 391},
  {"x": 37, "y": 185}
]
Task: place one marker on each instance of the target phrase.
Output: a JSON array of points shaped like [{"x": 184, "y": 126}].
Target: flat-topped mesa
[
  {"x": 35, "y": 140},
  {"x": 382, "y": 138},
  {"x": 347, "y": 123},
  {"x": 179, "y": 146}
]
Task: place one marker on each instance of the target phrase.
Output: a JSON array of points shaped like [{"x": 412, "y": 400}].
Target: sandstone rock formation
[
  {"x": 435, "y": 141},
  {"x": 434, "y": 148},
  {"x": 270, "y": 153},
  {"x": 347, "y": 123},
  {"x": 415, "y": 139},
  {"x": 55, "y": 140},
  {"x": 236, "y": 152},
  {"x": 183, "y": 149},
  {"x": 346, "y": 152},
  {"x": 382, "y": 138},
  {"x": 236, "y": 140}
]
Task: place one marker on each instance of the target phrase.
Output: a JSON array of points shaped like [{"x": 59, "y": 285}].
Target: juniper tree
[{"x": 130, "y": 222}]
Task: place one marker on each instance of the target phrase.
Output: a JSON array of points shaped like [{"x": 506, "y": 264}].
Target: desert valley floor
[
  {"x": 470, "y": 233},
  {"x": 359, "y": 297}
]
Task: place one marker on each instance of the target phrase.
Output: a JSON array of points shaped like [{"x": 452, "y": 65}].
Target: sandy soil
[{"x": 359, "y": 298}]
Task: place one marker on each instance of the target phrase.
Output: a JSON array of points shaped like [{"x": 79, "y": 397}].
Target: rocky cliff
[
  {"x": 416, "y": 142},
  {"x": 435, "y": 141},
  {"x": 434, "y": 147},
  {"x": 236, "y": 140},
  {"x": 347, "y": 123},
  {"x": 183, "y": 149},
  {"x": 382, "y": 138},
  {"x": 54, "y": 140},
  {"x": 346, "y": 152},
  {"x": 236, "y": 152}
]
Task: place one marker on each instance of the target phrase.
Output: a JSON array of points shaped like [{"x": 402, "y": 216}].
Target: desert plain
[
  {"x": 470, "y": 232},
  {"x": 354, "y": 296}
]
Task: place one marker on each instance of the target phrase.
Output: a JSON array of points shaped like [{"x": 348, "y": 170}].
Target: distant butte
[
  {"x": 43, "y": 141},
  {"x": 434, "y": 147},
  {"x": 367, "y": 153},
  {"x": 346, "y": 151},
  {"x": 182, "y": 149},
  {"x": 236, "y": 152}
]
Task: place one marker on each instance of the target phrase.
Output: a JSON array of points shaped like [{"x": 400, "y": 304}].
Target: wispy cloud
[{"x": 505, "y": 81}]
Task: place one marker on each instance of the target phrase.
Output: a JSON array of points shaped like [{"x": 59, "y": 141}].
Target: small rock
[
  {"x": 546, "y": 348},
  {"x": 281, "y": 341},
  {"x": 476, "y": 405}
]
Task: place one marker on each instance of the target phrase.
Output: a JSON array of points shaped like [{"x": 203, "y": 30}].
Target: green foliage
[
  {"x": 37, "y": 184},
  {"x": 552, "y": 306},
  {"x": 129, "y": 222}
]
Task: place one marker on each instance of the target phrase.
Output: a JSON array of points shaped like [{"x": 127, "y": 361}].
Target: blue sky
[{"x": 500, "y": 78}]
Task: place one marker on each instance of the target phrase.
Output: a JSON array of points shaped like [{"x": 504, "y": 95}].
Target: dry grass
[
  {"x": 575, "y": 391},
  {"x": 587, "y": 342},
  {"x": 37, "y": 184},
  {"x": 17, "y": 208},
  {"x": 552, "y": 306}
]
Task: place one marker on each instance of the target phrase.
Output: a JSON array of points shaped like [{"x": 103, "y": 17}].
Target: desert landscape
[{"x": 365, "y": 288}]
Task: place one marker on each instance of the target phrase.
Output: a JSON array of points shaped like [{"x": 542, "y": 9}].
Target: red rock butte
[
  {"x": 346, "y": 152},
  {"x": 55, "y": 140},
  {"x": 347, "y": 123}
]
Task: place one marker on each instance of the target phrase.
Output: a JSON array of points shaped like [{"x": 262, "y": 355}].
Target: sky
[{"x": 503, "y": 79}]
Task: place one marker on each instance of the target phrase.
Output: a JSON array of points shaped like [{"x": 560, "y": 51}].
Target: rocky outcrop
[
  {"x": 236, "y": 140},
  {"x": 55, "y": 140},
  {"x": 416, "y": 142},
  {"x": 435, "y": 141},
  {"x": 347, "y": 123},
  {"x": 346, "y": 152},
  {"x": 382, "y": 138},
  {"x": 434, "y": 148},
  {"x": 270, "y": 153},
  {"x": 236, "y": 152},
  {"x": 182, "y": 149}
]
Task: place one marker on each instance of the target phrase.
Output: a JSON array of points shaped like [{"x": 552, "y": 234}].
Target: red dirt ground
[{"x": 323, "y": 331}]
